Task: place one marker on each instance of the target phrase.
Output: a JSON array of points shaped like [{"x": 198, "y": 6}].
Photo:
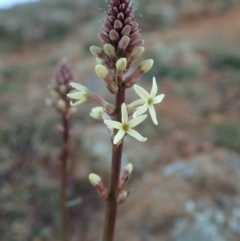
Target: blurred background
[{"x": 186, "y": 176}]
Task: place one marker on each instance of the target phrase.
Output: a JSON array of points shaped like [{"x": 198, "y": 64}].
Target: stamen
[{"x": 125, "y": 127}]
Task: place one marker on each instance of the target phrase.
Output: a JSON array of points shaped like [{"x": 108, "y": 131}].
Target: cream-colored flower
[
  {"x": 149, "y": 99},
  {"x": 97, "y": 112},
  {"x": 80, "y": 95},
  {"x": 125, "y": 127}
]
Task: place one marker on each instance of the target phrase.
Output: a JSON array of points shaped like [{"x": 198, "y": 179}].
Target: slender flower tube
[
  {"x": 149, "y": 99},
  {"x": 125, "y": 127},
  {"x": 81, "y": 95}
]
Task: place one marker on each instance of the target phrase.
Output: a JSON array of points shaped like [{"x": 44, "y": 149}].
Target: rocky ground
[{"x": 186, "y": 177}]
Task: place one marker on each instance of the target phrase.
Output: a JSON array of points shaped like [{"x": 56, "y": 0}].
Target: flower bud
[
  {"x": 97, "y": 182},
  {"x": 114, "y": 35},
  {"x": 101, "y": 71},
  {"x": 126, "y": 30},
  {"x": 63, "y": 89},
  {"x": 125, "y": 175},
  {"x": 122, "y": 196},
  {"x": 121, "y": 64},
  {"x": 137, "y": 52},
  {"x": 123, "y": 43},
  {"x": 109, "y": 49},
  {"x": 128, "y": 168},
  {"x": 94, "y": 179},
  {"x": 146, "y": 65},
  {"x": 104, "y": 38},
  {"x": 61, "y": 105},
  {"x": 96, "y": 51}
]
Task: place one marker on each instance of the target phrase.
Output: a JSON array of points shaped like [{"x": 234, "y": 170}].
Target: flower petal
[
  {"x": 136, "y": 121},
  {"x": 113, "y": 124},
  {"x": 154, "y": 88},
  {"x": 76, "y": 95},
  {"x": 124, "y": 114},
  {"x": 141, "y": 92},
  {"x": 136, "y": 135},
  {"x": 158, "y": 99},
  {"x": 78, "y": 86},
  {"x": 140, "y": 110},
  {"x": 78, "y": 102},
  {"x": 118, "y": 137},
  {"x": 153, "y": 114}
]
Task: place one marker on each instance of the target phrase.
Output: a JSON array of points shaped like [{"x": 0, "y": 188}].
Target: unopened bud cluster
[
  {"x": 59, "y": 88},
  {"x": 122, "y": 44}
]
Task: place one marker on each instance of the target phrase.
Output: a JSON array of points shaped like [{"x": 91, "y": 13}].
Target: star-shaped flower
[
  {"x": 125, "y": 127},
  {"x": 80, "y": 95},
  {"x": 149, "y": 99}
]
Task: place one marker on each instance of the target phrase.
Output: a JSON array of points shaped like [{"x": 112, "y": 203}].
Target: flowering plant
[{"x": 122, "y": 44}]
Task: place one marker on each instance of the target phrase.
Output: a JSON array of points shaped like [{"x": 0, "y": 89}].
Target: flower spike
[{"x": 149, "y": 99}]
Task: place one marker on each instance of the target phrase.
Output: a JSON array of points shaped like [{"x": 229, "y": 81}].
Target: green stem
[{"x": 111, "y": 204}]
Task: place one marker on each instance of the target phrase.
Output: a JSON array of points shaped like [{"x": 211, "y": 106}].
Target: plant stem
[
  {"x": 111, "y": 204},
  {"x": 63, "y": 177}
]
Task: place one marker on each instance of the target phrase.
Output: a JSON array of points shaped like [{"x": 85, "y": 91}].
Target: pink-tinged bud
[
  {"x": 117, "y": 2},
  {"x": 97, "y": 182},
  {"x": 122, "y": 197},
  {"x": 104, "y": 38},
  {"x": 125, "y": 176},
  {"x": 135, "y": 38},
  {"x": 128, "y": 20},
  {"x": 137, "y": 52},
  {"x": 123, "y": 43},
  {"x": 118, "y": 24},
  {"x": 111, "y": 85},
  {"x": 126, "y": 30},
  {"x": 96, "y": 51},
  {"x": 109, "y": 49},
  {"x": 132, "y": 46},
  {"x": 107, "y": 26},
  {"x": 114, "y": 35},
  {"x": 120, "y": 17}
]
